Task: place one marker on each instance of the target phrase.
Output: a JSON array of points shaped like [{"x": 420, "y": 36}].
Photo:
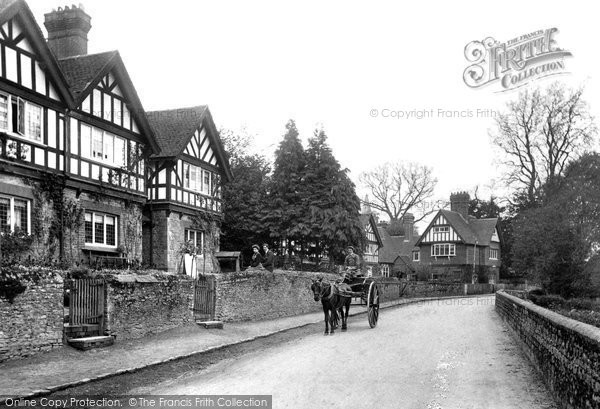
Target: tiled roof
[
  {"x": 394, "y": 247},
  {"x": 173, "y": 128},
  {"x": 471, "y": 230},
  {"x": 81, "y": 70},
  {"x": 484, "y": 229},
  {"x": 5, "y": 3}
]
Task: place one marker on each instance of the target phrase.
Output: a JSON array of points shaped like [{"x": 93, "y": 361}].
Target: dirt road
[{"x": 448, "y": 354}]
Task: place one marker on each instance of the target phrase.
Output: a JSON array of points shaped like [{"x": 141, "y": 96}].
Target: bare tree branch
[
  {"x": 539, "y": 134},
  {"x": 396, "y": 188}
]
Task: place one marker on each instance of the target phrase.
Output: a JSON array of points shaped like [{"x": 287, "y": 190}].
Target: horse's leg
[
  {"x": 345, "y": 315},
  {"x": 333, "y": 319},
  {"x": 325, "y": 311}
]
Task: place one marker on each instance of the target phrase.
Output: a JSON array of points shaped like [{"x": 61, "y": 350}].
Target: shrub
[{"x": 551, "y": 301}]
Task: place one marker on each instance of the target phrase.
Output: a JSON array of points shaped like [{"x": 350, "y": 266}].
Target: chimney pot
[
  {"x": 459, "y": 202},
  {"x": 408, "y": 221},
  {"x": 67, "y": 31}
]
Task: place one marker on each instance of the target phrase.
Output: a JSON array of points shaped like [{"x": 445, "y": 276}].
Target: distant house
[
  {"x": 374, "y": 243},
  {"x": 397, "y": 254},
  {"x": 456, "y": 246}
]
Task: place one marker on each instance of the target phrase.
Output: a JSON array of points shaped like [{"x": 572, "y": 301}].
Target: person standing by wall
[
  {"x": 257, "y": 258},
  {"x": 268, "y": 258}
]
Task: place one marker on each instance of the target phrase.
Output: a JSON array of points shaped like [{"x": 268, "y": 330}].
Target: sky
[{"x": 343, "y": 65}]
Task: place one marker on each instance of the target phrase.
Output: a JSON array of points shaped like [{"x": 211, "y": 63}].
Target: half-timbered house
[
  {"x": 184, "y": 195},
  {"x": 459, "y": 247},
  {"x": 81, "y": 168},
  {"x": 373, "y": 244}
]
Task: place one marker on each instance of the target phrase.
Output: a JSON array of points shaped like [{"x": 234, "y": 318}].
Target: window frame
[
  {"x": 451, "y": 249},
  {"x": 495, "y": 251},
  {"x": 385, "y": 270},
  {"x": 8, "y": 112},
  {"x": 11, "y": 214},
  {"x": 198, "y": 184},
  {"x": 104, "y": 216},
  {"x": 90, "y": 153},
  {"x": 416, "y": 253},
  {"x": 187, "y": 237}
]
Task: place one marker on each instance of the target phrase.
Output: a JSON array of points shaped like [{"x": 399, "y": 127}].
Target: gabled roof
[
  {"x": 10, "y": 9},
  {"x": 367, "y": 218},
  {"x": 81, "y": 70},
  {"x": 84, "y": 72},
  {"x": 470, "y": 230},
  {"x": 174, "y": 129},
  {"x": 395, "y": 246}
]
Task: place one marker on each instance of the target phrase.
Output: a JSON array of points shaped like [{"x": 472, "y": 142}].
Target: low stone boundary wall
[
  {"x": 423, "y": 289},
  {"x": 566, "y": 352},
  {"x": 138, "y": 305},
  {"x": 33, "y": 321},
  {"x": 258, "y": 295}
]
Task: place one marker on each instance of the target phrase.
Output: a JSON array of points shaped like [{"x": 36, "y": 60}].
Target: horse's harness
[{"x": 323, "y": 289}]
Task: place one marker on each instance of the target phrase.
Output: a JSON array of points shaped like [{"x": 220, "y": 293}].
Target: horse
[{"x": 332, "y": 303}]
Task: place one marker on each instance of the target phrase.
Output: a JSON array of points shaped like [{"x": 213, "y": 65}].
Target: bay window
[
  {"x": 100, "y": 229},
  {"x": 14, "y": 214}
]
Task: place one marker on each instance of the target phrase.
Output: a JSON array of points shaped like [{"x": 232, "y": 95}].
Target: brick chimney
[
  {"x": 408, "y": 221},
  {"x": 459, "y": 202},
  {"x": 67, "y": 31}
]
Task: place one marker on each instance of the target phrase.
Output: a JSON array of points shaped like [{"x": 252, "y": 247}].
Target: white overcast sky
[{"x": 259, "y": 63}]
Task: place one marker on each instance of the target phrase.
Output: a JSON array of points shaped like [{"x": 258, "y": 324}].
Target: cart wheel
[{"x": 373, "y": 305}]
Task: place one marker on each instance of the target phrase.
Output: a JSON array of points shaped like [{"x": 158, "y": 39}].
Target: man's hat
[
  {"x": 350, "y": 247},
  {"x": 255, "y": 246},
  {"x": 265, "y": 245}
]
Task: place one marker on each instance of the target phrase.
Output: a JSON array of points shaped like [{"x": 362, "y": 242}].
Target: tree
[
  {"x": 539, "y": 134},
  {"x": 558, "y": 241},
  {"x": 245, "y": 196},
  {"x": 330, "y": 197},
  {"x": 396, "y": 188},
  {"x": 285, "y": 217},
  {"x": 546, "y": 247}
]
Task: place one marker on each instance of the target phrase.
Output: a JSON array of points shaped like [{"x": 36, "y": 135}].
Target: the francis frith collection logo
[{"x": 516, "y": 62}]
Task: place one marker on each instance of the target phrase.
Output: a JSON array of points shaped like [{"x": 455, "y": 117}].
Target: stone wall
[
  {"x": 565, "y": 351},
  {"x": 138, "y": 305},
  {"x": 33, "y": 322},
  {"x": 415, "y": 289},
  {"x": 258, "y": 295}
]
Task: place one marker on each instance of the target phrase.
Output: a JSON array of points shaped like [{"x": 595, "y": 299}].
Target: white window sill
[{"x": 19, "y": 137}]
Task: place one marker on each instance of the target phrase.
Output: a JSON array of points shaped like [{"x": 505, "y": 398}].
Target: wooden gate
[
  {"x": 204, "y": 298},
  {"x": 86, "y": 303}
]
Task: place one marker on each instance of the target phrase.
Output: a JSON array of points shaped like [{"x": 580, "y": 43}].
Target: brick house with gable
[
  {"x": 457, "y": 246},
  {"x": 396, "y": 257}
]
